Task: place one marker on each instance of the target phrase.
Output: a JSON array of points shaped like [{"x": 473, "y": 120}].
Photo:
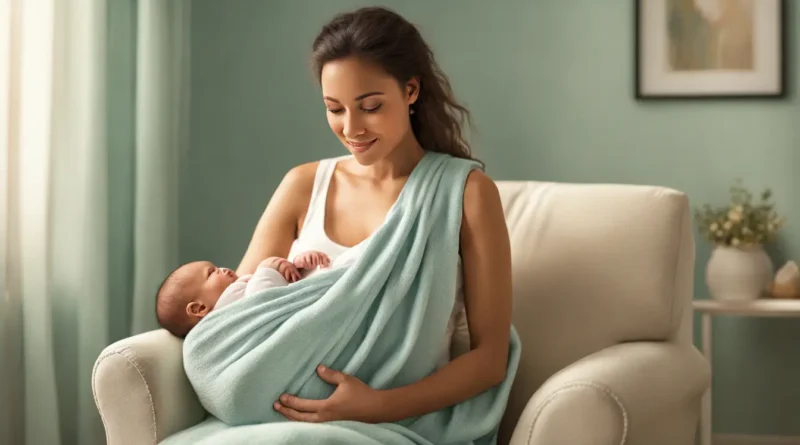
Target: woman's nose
[{"x": 353, "y": 127}]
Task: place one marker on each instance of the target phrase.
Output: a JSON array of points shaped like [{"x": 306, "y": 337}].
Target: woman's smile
[{"x": 361, "y": 147}]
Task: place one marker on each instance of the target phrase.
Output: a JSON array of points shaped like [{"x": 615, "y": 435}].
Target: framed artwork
[{"x": 710, "y": 48}]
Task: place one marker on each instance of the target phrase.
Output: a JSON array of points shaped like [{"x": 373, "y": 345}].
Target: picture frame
[{"x": 709, "y": 49}]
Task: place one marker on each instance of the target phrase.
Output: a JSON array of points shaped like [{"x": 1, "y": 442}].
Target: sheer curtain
[{"x": 93, "y": 114}]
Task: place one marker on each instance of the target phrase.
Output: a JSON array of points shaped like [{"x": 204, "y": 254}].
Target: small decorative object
[
  {"x": 787, "y": 282},
  {"x": 710, "y": 48},
  {"x": 739, "y": 268}
]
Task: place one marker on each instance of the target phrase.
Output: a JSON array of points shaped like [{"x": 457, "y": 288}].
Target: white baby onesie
[{"x": 264, "y": 278}]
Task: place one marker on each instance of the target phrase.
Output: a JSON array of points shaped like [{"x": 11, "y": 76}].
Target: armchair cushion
[{"x": 631, "y": 393}]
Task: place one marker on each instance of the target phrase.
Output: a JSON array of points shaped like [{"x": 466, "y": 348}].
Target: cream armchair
[{"x": 602, "y": 292}]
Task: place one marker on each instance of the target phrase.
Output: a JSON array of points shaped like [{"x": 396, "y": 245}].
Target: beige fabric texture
[{"x": 603, "y": 277}]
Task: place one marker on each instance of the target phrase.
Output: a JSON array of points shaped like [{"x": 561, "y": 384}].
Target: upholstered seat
[{"x": 603, "y": 279}]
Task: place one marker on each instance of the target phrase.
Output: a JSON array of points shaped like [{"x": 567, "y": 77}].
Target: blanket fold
[{"x": 381, "y": 319}]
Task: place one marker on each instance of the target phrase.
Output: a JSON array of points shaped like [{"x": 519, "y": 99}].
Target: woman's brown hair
[{"x": 383, "y": 37}]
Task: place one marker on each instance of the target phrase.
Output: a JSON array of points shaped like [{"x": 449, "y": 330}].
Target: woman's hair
[{"x": 383, "y": 37}]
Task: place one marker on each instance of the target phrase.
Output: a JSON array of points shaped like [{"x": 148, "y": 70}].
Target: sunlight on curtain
[
  {"x": 26, "y": 149},
  {"x": 92, "y": 119},
  {"x": 78, "y": 256},
  {"x": 10, "y": 313}
]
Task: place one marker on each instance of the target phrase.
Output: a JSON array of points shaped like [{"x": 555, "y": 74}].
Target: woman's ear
[
  {"x": 412, "y": 90},
  {"x": 197, "y": 309}
]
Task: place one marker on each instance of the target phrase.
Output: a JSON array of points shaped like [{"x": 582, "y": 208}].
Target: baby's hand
[
  {"x": 284, "y": 266},
  {"x": 311, "y": 260}
]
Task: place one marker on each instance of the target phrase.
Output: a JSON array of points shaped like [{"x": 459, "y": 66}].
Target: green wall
[{"x": 550, "y": 86}]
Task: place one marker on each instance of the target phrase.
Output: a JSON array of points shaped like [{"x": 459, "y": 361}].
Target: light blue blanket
[{"x": 382, "y": 319}]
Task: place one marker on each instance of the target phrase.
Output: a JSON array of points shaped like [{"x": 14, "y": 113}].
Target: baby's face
[{"x": 205, "y": 282}]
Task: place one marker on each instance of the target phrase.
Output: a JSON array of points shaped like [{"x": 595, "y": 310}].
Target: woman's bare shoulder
[
  {"x": 483, "y": 215},
  {"x": 480, "y": 193},
  {"x": 301, "y": 176},
  {"x": 294, "y": 191}
]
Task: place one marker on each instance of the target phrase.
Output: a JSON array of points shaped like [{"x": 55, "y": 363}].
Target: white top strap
[{"x": 315, "y": 215}]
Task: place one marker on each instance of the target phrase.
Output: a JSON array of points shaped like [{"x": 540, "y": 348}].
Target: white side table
[{"x": 757, "y": 308}]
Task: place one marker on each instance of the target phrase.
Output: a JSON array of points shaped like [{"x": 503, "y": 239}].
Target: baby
[{"x": 193, "y": 290}]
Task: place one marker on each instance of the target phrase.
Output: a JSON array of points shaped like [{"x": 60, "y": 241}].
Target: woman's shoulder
[
  {"x": 482, "y": 202},
  {"x": 303, "y": 175},
  {"x": 480, "y": 187},
  {"x": 297, "y": 185}
]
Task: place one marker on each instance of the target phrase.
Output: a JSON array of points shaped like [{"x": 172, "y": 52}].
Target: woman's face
[{"x": 367, "y": 110}]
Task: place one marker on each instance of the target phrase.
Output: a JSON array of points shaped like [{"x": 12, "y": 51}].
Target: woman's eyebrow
[{"x": 363, "y": 96}]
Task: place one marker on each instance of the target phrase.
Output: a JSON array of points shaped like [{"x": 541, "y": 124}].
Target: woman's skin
[{"x": 364, "y": 104}]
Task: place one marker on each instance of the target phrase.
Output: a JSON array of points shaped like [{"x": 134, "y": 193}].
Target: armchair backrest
[{"x": 594, "y": 265}]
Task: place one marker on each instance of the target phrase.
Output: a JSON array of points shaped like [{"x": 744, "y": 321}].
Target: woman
[{"x": 388, "y": 102}]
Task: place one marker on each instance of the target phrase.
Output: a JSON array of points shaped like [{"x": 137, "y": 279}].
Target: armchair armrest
[
  {"x": 141, "y": 389},
  {"x": 631, "y": 394}
]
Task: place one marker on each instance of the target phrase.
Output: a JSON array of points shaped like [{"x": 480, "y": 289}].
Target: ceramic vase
[{"x": 738, "y": 274}]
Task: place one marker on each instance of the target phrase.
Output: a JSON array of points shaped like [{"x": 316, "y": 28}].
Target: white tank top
[{"x": 314, "y": 237}]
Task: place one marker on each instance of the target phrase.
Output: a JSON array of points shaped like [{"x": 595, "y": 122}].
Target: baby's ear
[{"x": 197, "y": 309}]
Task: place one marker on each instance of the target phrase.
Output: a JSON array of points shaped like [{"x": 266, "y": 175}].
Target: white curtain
[{"x": 93, "y": 106}]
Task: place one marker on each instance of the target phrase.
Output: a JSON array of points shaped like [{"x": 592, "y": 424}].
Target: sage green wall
[{"x": 550, "y": 86}]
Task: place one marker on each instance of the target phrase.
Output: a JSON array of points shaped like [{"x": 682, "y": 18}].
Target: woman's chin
[{"x": 367, "y": 157}]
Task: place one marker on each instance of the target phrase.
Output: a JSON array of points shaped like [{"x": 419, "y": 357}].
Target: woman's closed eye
[
  {"x": 364, "y": 109},
  {"x": 372, "y": 109}
]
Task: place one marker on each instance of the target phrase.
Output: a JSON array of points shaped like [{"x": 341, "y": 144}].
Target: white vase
[{"x": 735, "y": 274}]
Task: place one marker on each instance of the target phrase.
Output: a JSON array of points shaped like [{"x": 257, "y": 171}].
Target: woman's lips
[{"x": 360, "y": 147}]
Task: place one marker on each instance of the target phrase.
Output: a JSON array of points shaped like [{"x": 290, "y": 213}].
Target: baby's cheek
[{"x": 222, "y": 282}]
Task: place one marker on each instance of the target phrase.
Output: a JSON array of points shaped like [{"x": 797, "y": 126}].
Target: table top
[{"x": 762, "y": 307}]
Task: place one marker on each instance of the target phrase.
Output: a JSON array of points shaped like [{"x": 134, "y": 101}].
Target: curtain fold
[
  {"x": 93, "y": 98},
  {"x": 33, "y": 76},
  {"x": 161, "y": 114}
]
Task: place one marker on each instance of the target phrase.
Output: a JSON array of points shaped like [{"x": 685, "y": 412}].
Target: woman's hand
[{"x": 352, "y": 400}]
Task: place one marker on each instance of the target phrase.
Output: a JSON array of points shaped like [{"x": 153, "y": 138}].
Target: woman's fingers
[
  {"x": 295, "y": 415},
  {"x": 302, "y": 405}
]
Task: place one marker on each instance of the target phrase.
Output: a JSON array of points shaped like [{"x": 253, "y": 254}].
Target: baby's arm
[{"x": 270, "y": 273}]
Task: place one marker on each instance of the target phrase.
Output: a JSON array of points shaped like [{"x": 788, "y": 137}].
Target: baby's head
[{"x": 189, "y": 293}]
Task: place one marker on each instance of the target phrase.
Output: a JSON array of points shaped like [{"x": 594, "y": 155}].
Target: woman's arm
[
  {"x": 278, "y": 226},
  {"x": 486, "y": 256}
]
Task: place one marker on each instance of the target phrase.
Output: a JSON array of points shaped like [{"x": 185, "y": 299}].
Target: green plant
[{"x": 742, "y": 222}]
